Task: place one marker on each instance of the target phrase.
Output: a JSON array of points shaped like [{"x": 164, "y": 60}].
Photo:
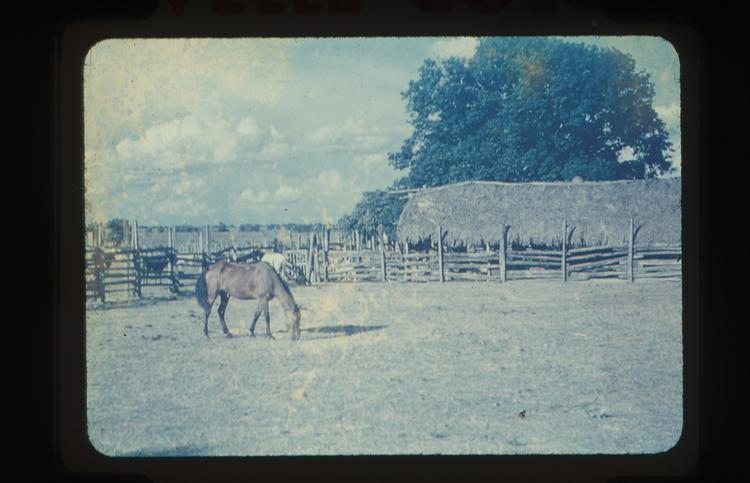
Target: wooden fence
[
  {"x": 501, "y": 264},
  {"x": 132, "y": 268}
]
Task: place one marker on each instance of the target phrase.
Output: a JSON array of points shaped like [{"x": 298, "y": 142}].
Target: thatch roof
[{"x": 598, "y": 212}]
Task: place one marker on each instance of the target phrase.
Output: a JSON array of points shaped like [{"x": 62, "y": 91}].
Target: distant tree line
[{"x": 116, "y": 228}]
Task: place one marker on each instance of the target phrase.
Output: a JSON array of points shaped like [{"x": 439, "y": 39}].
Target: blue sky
[{"x": 267, "y": 130}]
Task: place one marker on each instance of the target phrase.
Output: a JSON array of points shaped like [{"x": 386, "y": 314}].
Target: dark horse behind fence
[{"x": 246, "y": 281}]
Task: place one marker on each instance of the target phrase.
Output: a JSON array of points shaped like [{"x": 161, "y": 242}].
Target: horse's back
[{"x": 243, "y": 280}]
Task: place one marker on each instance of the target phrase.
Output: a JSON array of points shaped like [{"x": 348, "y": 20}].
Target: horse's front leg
[{"x": 268, "y": 319}]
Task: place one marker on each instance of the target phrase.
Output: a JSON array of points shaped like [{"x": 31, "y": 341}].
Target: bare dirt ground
[{"x": 454, "y": 368}]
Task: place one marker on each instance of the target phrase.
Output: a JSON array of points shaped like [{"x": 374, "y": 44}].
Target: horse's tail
[{"x": 201, "y": 290}]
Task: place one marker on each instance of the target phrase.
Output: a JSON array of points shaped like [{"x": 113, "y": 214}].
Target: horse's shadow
[{"x": 343, "y": 330}]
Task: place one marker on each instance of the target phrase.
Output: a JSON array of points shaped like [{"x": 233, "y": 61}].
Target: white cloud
[
  {"x": 195, "y": 139},
  {"x": 274, "y": 133},
  {"x": 287, "y": 194},
  {"x": 248, "y": 127},
  {"x": 162, "y": 115},
  {"x": 456, "y": 47},
  {"x": 225, "y": 147},
  {"x": 125, "y": 148},
  {"x": 358, "y": 134},
  {"x": 273, "y": 151},
  {"x": 330, "y": 182},
  {"x": 182, "y": 186},
  {"x": 369, "y": 162},
  {"x": 250, "y": 196},
  {"x": 352, "y": 131},
  {"x": 670, "y": 114},
  {"x": 135, "y": 74},
  {"x": 322, "y": 135}
]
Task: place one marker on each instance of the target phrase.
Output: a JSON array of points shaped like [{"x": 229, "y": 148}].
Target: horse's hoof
[{"x": 228, "y": 334}]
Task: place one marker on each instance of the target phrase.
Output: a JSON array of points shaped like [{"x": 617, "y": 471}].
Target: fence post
[
  {"x": 99, "y": 273},
  {"x": 503, "y": 253},
  {"x": 137, "y": 267},
  {"x": 326, "y": 247},
  {"x": 564, "y": 262},
  {"x": 172, "y": 258},
  {"x": 631, "y": 250},
  {"x": 441, "y": 265},
  {"x": 314, "y": 264},
  {"x": 309, "y": 261},
  {"x": 383, "y": 273},
  {"x": 489, "y": 259},
  {"x": 208, "y": 242}
]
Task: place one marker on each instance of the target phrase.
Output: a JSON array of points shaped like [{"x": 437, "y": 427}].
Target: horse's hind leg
[
  {"x": 207, "y": 311},
  {"x": 222, "y": 308}
]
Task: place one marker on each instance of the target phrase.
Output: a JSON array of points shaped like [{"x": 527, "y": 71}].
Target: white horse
[{"x": 276, "y": 260}]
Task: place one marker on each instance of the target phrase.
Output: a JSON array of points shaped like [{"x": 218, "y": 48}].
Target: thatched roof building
[{"x": 597, "y": 212}]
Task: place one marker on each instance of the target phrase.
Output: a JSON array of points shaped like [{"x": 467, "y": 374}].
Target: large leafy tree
[
  {"x": 532, "y": 109},
  {"x": 375, "y": 208}
]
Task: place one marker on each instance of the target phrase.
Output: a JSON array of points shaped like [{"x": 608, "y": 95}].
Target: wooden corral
[{"x": 627, "y": 243}]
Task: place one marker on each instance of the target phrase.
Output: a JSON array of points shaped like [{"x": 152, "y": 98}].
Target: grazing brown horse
[{"x": 246, "y": 281}]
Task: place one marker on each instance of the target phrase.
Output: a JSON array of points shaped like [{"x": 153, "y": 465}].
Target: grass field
[{"x": 455, "y": 368}]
